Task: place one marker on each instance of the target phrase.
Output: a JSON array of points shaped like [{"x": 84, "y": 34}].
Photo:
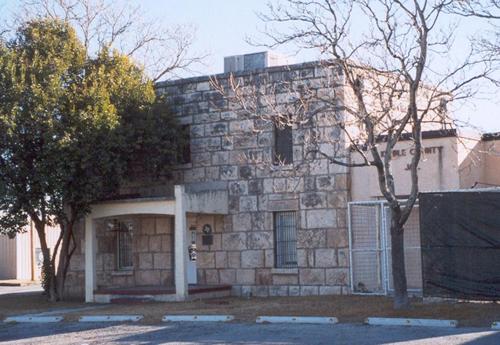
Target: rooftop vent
[{"x": 250, "y": 62}]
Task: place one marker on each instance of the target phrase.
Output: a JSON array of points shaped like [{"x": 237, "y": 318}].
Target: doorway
[{"x": 192, "y": 256}]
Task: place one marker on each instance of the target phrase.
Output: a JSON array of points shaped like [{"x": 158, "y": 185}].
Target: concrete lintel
[
  {"x": 297, "y": 319},
  {"x": 387, "y": 321},
  {"x": 197, "y": 318},
  {"x": 110, "y": 318},
  {"x": 209, "y": 202},
  {"x": 133, "y": 207}
]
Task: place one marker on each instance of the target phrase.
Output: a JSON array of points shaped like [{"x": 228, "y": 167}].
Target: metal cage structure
[{"x": 370, "y": 249}]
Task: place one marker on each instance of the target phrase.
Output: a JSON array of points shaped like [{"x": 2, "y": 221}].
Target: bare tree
[
  {"x": 489, "y": 9},
  {"x": 163, "y": 50},
  {"x": 394, "y": 62},
  {"x": 483, "y": 10}
]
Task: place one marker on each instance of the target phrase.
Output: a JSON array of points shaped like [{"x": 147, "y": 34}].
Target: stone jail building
[{"x": 235, "y": 222}]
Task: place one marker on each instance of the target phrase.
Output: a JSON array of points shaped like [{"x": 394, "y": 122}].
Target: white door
[{"x": 191, "y": 266}]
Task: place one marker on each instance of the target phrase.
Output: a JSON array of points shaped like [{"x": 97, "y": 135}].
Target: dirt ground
[
  {"x": 15, "y": 304},
  {"x": 351, "y": 309}
]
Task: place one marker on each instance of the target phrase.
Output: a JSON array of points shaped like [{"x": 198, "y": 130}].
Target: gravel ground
[{"x": 235, "y": 333}]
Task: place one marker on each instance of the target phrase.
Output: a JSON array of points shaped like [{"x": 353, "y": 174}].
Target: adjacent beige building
[{"x": 450, "y": 161}]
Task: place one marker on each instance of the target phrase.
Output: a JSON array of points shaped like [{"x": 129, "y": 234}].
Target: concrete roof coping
[
  {"x": 132, "y": 200},
  {"x": 199, "y": 79},
  {"x": 469, "y": 190}
]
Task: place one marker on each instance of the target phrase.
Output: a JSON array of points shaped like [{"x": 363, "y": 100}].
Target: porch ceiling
[{"x": 208, "y": 202}]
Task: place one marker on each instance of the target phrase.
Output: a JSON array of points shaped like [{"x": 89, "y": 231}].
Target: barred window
[
  {"x": 124, "y": 246},
  {"x": 184, "y": 152},
  {"x": 283, "y": 144},
  {"x": 285, "y": 239}
]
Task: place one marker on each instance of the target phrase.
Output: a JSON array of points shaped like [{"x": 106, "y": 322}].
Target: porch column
[
  {"x": 90, "y": 251},
  {"x": 181, "y": 286}
]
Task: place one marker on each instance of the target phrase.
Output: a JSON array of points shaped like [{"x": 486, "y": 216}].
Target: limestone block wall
[
  {"x": 152, "y": 248},
  {"x": 153, "y": 256},
  {"x": 233, "y": 150}
]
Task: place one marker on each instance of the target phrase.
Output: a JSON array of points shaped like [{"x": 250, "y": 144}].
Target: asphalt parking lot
[{"x": 236, "y": 333}]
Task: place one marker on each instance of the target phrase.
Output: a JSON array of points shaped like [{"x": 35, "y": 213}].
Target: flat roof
[
  {"x": 490, "y": 136},
  {"x": 270, "y": 69},
  {"x": 469, "y": 190}
]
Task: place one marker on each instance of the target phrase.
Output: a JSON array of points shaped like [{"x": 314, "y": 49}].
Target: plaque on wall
[{"x": 207, "y": 240}]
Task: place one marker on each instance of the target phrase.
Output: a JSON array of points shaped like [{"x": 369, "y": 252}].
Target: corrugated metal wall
[
  {"x": 17, "y": 261},
  {"x": 24, "y": 255}
]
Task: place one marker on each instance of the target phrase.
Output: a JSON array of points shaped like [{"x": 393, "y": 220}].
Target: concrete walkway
[
  {"x": 247, "y": 334},
  {"x": 5, "y": 290}
]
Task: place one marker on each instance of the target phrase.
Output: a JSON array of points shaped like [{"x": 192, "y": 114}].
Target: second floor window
[
  {"x": 283, "y": 144},
  {"x": 184, "y": 151}
]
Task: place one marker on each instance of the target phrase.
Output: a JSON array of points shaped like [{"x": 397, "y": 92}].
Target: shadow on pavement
[
  {"x": 237, "y": 333},
  {"x": 348, "y": 334}
]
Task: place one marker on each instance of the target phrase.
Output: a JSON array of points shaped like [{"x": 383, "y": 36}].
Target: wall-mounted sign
[
  {"x": 432, "y": 150},
  {"x": 207, "y": 240},
  {"x": 207, "y": 229}
]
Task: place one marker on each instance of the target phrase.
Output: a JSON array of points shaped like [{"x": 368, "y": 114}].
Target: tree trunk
[
  {"x": 64, "y": 259},
  {"x": 398, "y": 266},
  {"x": 48, "y": 274}
]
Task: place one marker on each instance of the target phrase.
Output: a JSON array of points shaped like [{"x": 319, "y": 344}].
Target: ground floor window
[
  {"x": 124, "y": 245},
  {"x": 285, "y": 239}
]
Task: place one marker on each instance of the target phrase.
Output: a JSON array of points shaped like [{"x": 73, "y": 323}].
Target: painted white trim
[
  {"x": 495, "y": 325},
  {"x": 366, "y": 202},
  {"x": 34, "y": 319},
  {"x": 387, "y": 321},
  {"x": 90, "y": 254},
  {"x": 297, "y": 319},
  {"x": 197, "y": 318},
  {"x": 125, "y": 208},
  {"x": 110, "y": 318},
  {"x": 180, "y": 248}
]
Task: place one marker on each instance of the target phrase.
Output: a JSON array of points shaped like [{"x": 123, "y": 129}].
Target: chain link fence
[{"x": 370, "y": 249}]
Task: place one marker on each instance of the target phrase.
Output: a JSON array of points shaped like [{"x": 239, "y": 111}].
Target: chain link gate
[{"x": 370, "y": 248}]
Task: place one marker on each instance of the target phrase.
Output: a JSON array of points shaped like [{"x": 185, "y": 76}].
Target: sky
[{"x": 222, "y": 27}]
